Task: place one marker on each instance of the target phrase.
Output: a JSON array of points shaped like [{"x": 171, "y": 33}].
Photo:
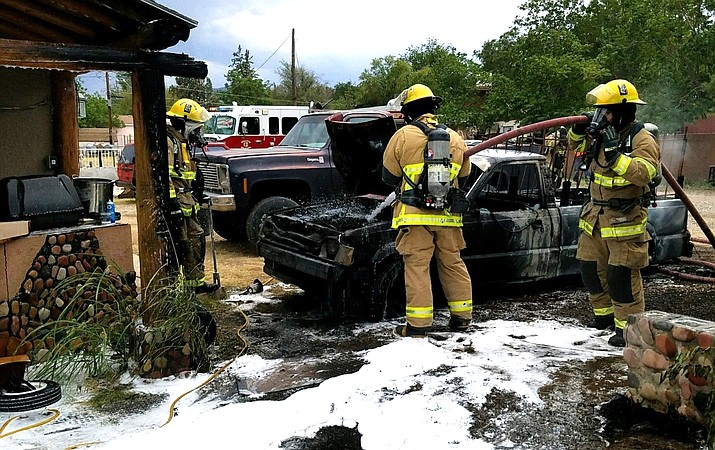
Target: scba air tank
[{"x": 437, "y": 161}]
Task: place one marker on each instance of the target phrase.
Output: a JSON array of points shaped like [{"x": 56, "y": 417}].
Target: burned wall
[{"x": 25, "y": 121}]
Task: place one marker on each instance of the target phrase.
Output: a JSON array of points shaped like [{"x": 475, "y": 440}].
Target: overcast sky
[{"x": 335, "y": 40}]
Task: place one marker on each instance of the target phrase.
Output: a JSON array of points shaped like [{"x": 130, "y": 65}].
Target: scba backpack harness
[{"x": 433, "y": 189}]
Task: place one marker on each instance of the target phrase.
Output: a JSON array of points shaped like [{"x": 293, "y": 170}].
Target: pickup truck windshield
[{"x": 309, "y": 132}]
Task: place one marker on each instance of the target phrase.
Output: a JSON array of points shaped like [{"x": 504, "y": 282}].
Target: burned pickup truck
[{"x": 516, "y": 231}]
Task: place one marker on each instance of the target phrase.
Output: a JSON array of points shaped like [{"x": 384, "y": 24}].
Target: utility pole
[
  {"x": 292, "y": 67},
  {"x": 109, "y": 107}
]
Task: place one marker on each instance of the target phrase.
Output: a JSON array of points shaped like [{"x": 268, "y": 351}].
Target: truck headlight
[
  {"x": 331, "y": 248},
  {"x": 224, "y": 183}
]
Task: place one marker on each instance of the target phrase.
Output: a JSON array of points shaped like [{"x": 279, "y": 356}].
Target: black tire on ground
[
  {"x": 230, "y": 226},
  {"x": 260, "y": 211},
  {"x": 34, "y": 395},
  {"x": 387, "y": 299}
]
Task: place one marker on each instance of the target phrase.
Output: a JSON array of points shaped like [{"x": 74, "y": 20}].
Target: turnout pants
[
  {"x": 610, "y": 270},
  {"x": 417, "y": 244}
]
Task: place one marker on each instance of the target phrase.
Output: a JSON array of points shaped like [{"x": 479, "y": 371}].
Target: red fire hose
[{"x": 571, "y": 120}]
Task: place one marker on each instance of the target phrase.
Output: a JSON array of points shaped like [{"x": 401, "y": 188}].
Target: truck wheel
[
  {"x": 30, "y": 395},
  {"x": 229, "y": 226},
  {"x": 260, "y": 211},
  {"x": 388, "y": 290}
]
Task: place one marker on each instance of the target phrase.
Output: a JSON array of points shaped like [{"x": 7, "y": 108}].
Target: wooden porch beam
[
  {"x": 65, "y": 122},
  {"x": 151, "y": 168},
  {"x": 79, "y": 58}
]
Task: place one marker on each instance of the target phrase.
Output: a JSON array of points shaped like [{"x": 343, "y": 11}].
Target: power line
[{"x": 274, "y": 52}]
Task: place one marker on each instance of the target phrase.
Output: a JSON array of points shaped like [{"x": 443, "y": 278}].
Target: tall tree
[
  {"x": 197, "y": 89},
  {"x": 98, "y": 114},
  {"x": 242, "y": 83},
  {"x": 308, "y": 86}
]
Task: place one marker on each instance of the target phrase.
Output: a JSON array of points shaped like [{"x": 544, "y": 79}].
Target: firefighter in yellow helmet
[
  {"x": 184, "y": 136},
  {"x": 624, "y": 160},
  {"x": 426, "y": 160}
]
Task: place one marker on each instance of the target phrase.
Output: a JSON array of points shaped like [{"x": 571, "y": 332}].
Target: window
[
  {"x": 220, "y": 125},
  {"x": 250, "y": 125},
  {"x": 514, "y": 182},
  {"x": 273, "y": 125},
  {"x": 288, "y": 123}
]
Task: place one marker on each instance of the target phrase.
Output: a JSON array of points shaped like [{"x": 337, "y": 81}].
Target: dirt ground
[{"x": 583, "y": 407}]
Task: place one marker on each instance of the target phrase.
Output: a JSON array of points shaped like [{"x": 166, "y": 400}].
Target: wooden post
[
  {"x": 66, "y": 123},
  {"x": 152, "y": 178}
]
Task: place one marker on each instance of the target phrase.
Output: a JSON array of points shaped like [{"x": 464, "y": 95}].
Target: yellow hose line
[
  {"x": 215, "y": 374},
  {"x": 82, "y": 444},
  {"x": 55, "y": 414}
]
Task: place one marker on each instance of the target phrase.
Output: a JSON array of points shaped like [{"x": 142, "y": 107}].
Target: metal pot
[{"x": 94, "y": 193}]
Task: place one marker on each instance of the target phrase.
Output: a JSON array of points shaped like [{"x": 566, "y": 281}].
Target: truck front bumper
[
  {"x": 294, "y": 268},
  {"x": 221, "y": 202}
]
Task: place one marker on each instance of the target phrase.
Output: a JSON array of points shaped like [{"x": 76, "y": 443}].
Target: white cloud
[{"x": 336, "y": 41}]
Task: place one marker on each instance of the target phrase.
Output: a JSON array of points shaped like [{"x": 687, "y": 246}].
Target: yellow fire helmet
[
  {"x": 613, "y": 93},
  {"x": 185, "y": 108},
  {"x": 416, "y": 92}
]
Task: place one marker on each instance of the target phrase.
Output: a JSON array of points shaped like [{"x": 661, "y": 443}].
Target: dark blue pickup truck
[{"x": 244, "y": 185}]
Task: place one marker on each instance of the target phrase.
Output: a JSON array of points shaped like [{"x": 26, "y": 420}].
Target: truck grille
[{"x": 215, "y": 177}]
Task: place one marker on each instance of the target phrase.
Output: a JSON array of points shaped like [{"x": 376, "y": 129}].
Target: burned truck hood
[
  {"x": 357, "y": 148},
  {"x": 306, "y": 228}
]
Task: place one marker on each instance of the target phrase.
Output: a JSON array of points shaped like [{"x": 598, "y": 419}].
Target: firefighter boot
[
  {"x": 408, "y": 330},
  {"x": 458, "y": 323},
  {"x": 601, "y": 322},
  {"x": 617, "y": 339}
]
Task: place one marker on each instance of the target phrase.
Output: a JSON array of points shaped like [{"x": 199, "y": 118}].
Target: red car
[{"x": 125, "y": 167}]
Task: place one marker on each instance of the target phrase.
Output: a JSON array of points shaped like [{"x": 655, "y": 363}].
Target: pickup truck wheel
[
  {"x": 261, "y": 210},
  {"x": 229, "y": 226},
  {"x": 388, "y": 290}
]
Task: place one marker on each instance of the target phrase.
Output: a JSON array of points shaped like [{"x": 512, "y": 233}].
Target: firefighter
[
  {"x": 427, "y": 226},
  {"x": 184, "y": 135},
  {"x": 624, "y": 161}
]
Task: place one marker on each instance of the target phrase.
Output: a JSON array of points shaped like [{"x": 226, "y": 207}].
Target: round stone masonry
[{"x": 654, "y": 339}]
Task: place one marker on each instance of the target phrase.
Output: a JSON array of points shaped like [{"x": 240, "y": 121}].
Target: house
[{"x": 43, "y": 47}]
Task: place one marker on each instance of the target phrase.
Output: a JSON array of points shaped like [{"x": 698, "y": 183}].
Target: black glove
[
  {"x": 610, "y": 144},
  {"x": 580, "y": 128},
  {"x": 174, "y": 214}
]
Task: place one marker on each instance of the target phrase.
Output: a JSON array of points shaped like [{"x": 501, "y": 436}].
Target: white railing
[{"x": 90, "y": 157}]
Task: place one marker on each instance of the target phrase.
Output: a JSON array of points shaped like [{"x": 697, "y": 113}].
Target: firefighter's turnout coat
[
  {"x": 189, "y": 236},
  {"x": 613, "y": 223},
  {"x": 424, "y": 232}
]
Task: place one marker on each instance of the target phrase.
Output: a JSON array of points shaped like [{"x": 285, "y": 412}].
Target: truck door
[{"x": 511, "y": 231}]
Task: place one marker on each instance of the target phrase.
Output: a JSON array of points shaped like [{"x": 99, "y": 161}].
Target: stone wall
[
  {"x": 654, "y": 339},
  {"x": 39, "y": 300}
]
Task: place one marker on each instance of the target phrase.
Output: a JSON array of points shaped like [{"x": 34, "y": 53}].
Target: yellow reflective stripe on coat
[
  {"x": 585, "y": 226},
  {"x": 184, "y": 175},
  {"x": 172, "y": 192},
  {"x": 603, "y": 311},
  {"x": 413, "y": 171},
  {"x": 624, "y": 231},
  {"x": 621, "y": 165},
  {"x": 576, "y": 137},
  {"x": 649, "y": 167},
  {"x": 427, "y": 219},
  {"x": 609, "y": 182},
  {"x": 187, "y": 211},
  {"x": 460, "y": 306},
  {"x": 620, "y": 323},
  {"x": 419, "y": 312}
]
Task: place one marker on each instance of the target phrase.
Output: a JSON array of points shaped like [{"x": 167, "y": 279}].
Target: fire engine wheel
[
  {"x": 260, "y": 211},
  {"x": 30, "y": 395},
  {"x": 388, "y": 290}
]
